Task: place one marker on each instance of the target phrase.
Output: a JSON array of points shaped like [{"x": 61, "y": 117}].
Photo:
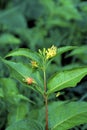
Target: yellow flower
[
  {"x": 51, "y": 52},
  {"x": 34, "y": 64}
]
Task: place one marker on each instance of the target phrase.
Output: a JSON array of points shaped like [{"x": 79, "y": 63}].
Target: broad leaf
[
  {"x": 25, "y": 125},
  {"x": 20, "y": 71},
  {"x": 67, "y": 115},
  {"x": 62, "y": 115},
  {"x": 66, "y": 79},
  {"x": 39, "y": 114},
  {"x": 25, "y": 52}
]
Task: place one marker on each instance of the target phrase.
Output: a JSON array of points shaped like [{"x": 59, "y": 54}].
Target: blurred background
[{"x": 37, "y": 24}]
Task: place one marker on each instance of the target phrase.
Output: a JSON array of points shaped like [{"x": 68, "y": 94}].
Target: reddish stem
[{"x": 46, "y": 107}]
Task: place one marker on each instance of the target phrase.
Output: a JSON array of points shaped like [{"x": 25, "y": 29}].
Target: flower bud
[
  {"x": 29, "y": 80},
  {"x": 34, "y": 64}
]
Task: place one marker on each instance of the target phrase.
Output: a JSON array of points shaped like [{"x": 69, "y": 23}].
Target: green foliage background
[{"x": 37, "y": 24}]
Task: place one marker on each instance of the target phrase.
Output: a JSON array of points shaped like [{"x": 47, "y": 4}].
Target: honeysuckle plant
[{"x": 58, "y": 115}]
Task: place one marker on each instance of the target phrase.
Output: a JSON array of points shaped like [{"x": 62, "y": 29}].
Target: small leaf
[
  {"x": 67, "y": 115},
  {"x": 8, "y": 38},
  {"x": 66, "y": 79},
  {"x": 65, "y": 49},
  {"x": 79, "y": 51},
  {"x": 25, "y": 125},
  {"x": 22, "y": 97}
]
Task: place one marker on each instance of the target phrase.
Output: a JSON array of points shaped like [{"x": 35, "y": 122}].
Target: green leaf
[
  {"x": 67, "y": 115},
  {"x": 38, "y": 114},
  {"x": 65, "y": 49},
  {"x": 62, "y": 115},
  {"x": 9, "y": 88},
  {"x": 10, "y": 92},
  {"x": 70, "y": 11},
  {"x": 26, "y": 125},
  {"x": 83, "y": 6},
  {"x": 1, "y": 93},
  {"x": 18, "y": 113},
  {"x": 12, "y": 19},
  {"x": 21, "y": 71},
  {"x": 25, "y": 52},
  {"x": 22, "y": 97},
  {"x": 79, "y": 51},
  {"x": 8, "y": 38},
  {"x": 66, "y": 79}
]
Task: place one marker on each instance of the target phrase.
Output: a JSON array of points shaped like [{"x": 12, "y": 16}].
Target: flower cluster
[{"x": 51, "y": 52}]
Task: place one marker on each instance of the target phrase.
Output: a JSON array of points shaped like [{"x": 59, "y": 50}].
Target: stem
[
  {"x": 46, "y": 101},
  {"x": 46, "y": 107},
  {"x": 44, "y": 81}
]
